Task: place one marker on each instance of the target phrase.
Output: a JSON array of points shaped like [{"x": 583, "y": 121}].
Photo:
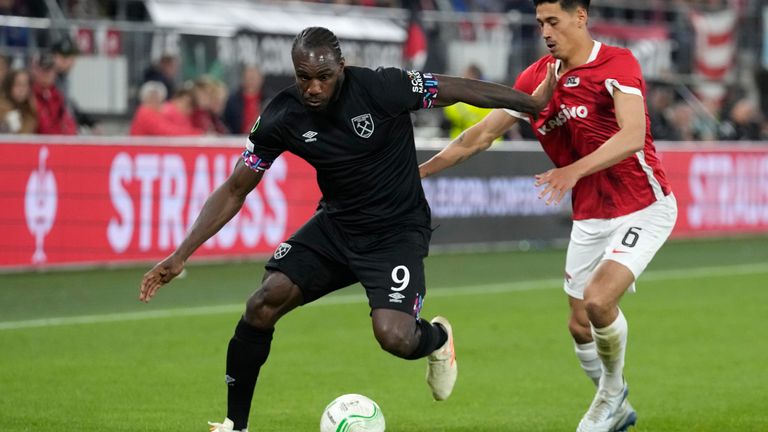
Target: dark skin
[{"x": 319, "y": 77}]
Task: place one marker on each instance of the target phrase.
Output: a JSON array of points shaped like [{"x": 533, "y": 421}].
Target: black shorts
[{"x": 321, "y": 258}]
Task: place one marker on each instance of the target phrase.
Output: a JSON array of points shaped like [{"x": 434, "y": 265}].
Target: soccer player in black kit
[{"x": 372, "y": 225}]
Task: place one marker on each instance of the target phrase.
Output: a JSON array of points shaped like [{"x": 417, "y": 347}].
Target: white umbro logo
[
  {"x": 310, "y": 136},
  {"x": 396, "y": 298},
  {"x": 572, "y": 81}
]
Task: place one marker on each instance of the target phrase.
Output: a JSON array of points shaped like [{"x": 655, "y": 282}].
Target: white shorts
[{"x": 631, "y": 240}]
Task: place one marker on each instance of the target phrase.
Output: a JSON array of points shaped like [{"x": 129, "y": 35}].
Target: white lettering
[
  {"x": 252, "y": 218},
  {"x": 227, "y": 235},
  {"x": 561, "y": 117},
  {"x": 462, "y": 197},
  {"x": 162, "y": 217},
  {"x": 120, "y": 230},
  {"x": 147, "y": 171},
  {"x": 201, "y": 188},
  {"x": 728, "y": 190},
  {"x": 173, "y": 194}
]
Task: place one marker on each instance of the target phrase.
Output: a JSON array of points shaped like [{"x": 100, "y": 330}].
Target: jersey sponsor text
[{"x": 566, "y": 113}]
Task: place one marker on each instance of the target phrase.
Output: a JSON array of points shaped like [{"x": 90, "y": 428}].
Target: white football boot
[
  {"x": 227, "y": 426},
  {"x": 627, "y": 417},
  {"x": 607, "y": 412},
  {"x": 442, "y": 368}
]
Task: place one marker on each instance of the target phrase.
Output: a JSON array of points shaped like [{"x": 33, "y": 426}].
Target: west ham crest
[
  {"x": 282, "y": 250},
  {"x": 363, "y": 125}
]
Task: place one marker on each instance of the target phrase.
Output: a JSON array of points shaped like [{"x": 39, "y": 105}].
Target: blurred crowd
[
  {"x": 35, "y": 96},
  {"x": 136, "y": 9},
  {"x": 673, "y": 117},
  {"x": 493, "y": 6},
  {"x": 204, "y": 106},
  {"x": 36, "y": 100}
]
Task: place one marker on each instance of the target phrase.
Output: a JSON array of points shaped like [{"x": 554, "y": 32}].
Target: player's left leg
[
  {"x": 636, "y": 240},
  {"x": 392, "y": 272},
  {"x": 609, "y": 410},
  {"x": 400, "y": 334}
]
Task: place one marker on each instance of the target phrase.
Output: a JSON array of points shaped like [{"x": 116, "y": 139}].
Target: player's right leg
[
  {"x": 249, "y": 347},
  {"x": 585, "y": 250},
  {"x": 296, "y": 274}
]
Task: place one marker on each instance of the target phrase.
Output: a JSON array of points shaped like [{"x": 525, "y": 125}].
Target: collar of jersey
[{"x": 592, "y": 56}]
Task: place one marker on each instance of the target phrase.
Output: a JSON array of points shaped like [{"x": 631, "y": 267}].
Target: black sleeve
[
  {"x": 264, "y": 142},
  {"x": 398, "y": 90}
]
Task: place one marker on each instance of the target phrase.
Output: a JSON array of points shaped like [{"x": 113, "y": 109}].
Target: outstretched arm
[
  {"x": 485, "y": 94},
  {"x": 472, "y": 141},
  {"x": 219, "y": 208}
]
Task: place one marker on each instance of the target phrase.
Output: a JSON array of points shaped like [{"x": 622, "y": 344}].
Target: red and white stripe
[{"x": 715, "y": 48}]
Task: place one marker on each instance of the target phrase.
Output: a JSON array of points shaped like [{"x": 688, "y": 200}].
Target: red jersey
[
  {"x": 149, "y": 122},
  {"x": 581, "y": 117},
  {"x": 53, "y": 117}
]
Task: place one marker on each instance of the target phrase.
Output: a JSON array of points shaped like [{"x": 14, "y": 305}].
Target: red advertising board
[
  {"x": 81, "y": 202},
  {"x": 719, "y": 191},
  {"x": 111, "y": 202}
]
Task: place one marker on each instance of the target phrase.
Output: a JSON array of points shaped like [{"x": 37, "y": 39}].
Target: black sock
[
  {"x": 248, "y": 350},
  {"x": 431, "y": 337}
]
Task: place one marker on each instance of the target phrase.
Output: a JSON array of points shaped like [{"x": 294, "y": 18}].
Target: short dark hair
[
  {"x": 568, "y": 5},
  {"x": 317, "y": 37},
  {"x": 66, "y": 47}
]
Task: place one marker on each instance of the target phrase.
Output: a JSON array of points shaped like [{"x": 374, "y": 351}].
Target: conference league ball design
[{"x": 352, "y": 413}]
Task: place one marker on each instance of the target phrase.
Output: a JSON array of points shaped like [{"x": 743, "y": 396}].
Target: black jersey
[{"x": 361, "y": 146}]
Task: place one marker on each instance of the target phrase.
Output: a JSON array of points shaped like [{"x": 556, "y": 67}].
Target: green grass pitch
[{"x": 697, "y": 358}]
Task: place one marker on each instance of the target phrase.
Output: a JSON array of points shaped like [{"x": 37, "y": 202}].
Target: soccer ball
[{"x": 352, "y": 413}]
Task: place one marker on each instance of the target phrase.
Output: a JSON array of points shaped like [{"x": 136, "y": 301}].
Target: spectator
[
  {"x": 461, "y": 116},
  {"x": 149, "y": 114},
  {"x": 53, "y": 116},
  {"x": 65, "y": 52},
  {"x": 14, "y": 7},
  {"x": 683, "y": 117},
  {"x": 219, "y": 96},
  {"x": 244, "y": 106},
  {"x": 203, "y": 116},
  {"x": 743, "y": 122},
  {"x": 660, "y": 101},
  {"x": 687, "y": 125},
  {"x": 5, "y": 66},
  {"x": 17, "y": 109},
  {"x": 178, "y": 111},
  {"x": 165, "y": 71}
]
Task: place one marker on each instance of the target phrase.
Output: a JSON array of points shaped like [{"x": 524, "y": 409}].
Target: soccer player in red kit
[{"x": 596, "y": 130}]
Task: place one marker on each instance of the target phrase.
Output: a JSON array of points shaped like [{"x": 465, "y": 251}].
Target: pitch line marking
[{"x": 497, "y": 288}]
